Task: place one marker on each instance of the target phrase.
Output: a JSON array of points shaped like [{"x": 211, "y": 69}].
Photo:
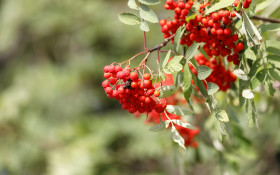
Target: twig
[
  {"x": 162, "y": 44},
  {"x": 273, "y": 20}
]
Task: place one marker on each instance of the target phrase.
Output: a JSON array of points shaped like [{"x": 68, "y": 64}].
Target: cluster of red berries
[
  {"x": 246, "y": 3},
  {"x": 133, "y": 93},
  {"x": 215, "y": 30},
  {"x": 220, "y": 76},
  {"x": 233, "y": 58}
]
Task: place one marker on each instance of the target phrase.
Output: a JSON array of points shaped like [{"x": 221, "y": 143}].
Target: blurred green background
[{"x": 55, "y": 118}]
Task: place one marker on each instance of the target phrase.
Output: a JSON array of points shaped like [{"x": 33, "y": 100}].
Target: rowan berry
[
  {"x": 156, "y": 93},
  {"x": 146, "y": 76},
  {"x": 239, "y": 46},
  {"x": 113, "y": 81},
  {"x": 162, "y": 22},
  {"x": 133, "y": 75},
  {"x": 108, "y": 90},
  {"x": 107, "y": 75}
]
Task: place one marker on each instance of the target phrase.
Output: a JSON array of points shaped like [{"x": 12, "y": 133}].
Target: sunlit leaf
[
  {"x": 129, "y": 19},
  {"x": 178, "y": 110},
  {"x": 148, "y": 14},
  {"x": 212, "y": 88},
  {"x": 177, "y": 137},
  {"x": 203, "y": 72}
]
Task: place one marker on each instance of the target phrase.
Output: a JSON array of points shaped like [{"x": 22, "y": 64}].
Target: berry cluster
[
  {"x": 215, "y": 30},
  {"x": 246, "y": 3},
  {"x": 133, "y": 93},
  {"x": 220, "y": 76}
]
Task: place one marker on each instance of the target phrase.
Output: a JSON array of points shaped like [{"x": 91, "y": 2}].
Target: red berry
[
  {"x": 107, "y": 75},
  {"x": 169, "y": 2},
  {"x": 111, "y": 68},
  {"x": 236, "y": 2},
  {"x": 220, "y": 31},
  {"x": 118, "y": 68},
  {"x": 177, "y": 10},
  {"x": 232, "y": 14},
  {"x": 121, "y": 90},
  {"x": 147, "y": 83},
  {"x": 181, "y": 4},
  {"x": 156, "y": 93},
  {"x": 113, "y": 81},
  {"x": 215, "y": 16},
  {"x": 170, "y": 24},
  {"x": 213, "y": 31},
  {"x": 167, "y": 7},
  {"x": 210, "y": 23},
  {"x": 188, "y": 6},
  {"x": 105, "y": 84},
  {"x": 148, "y": 100},
  {"x": 134, "y": 85},
  {"x": 150, "y": 92},
  {"x": 106, "y": 69},
  {"x": 198, "y": 18},
  {"x": 227, "y": 31},
  {"x": 133, "y": 75},
  {"x": 146, "y": 76},
  {"x": 226, "y": 13},
  {"x": 239, "y": 46},
  {"x": 162, "y": 22},
  {"x": 109, "y": 90}
]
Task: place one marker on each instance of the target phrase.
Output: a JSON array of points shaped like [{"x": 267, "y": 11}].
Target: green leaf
[
  {"x": 274, "y": 60},
  {"x": 268, "y": 85},
  {"x": 202, "y": 88},
  {"x": 191, "y": 51},
  {"x": 219, "y": 5},
  {"x": 183, "y": 124},
  {"x": 212, "y": 88},
  {"x": 261, "y": 75},
  {"x": 148, "y": 14},
  {"x": 249, "y": 54},
  {"x": 191, "y": 17},
  {"x": 132, "y": 4},
  {"x": 241, "y": 74},
  {"x": 274, "y": 73},
  {"x": 144, "y": 26},
  {"x": 221, "y": 128},
  {"x": 269, "y": 27},
  {"x": 256, "y": 67},
  {"x": 178, "y": 110},
  {"x": 177, "y": 137},
  {"x": 178, "y": 78},
  {"x": 248, "y": 94},
  {"x": 178, "y": 35},
  {"x": 251, "y": 29},
  {"x": 187, "y": 90},
  {"x": 174, "y": 65},
  {"x": 149, "y": 2},
  {"x": 161, "y": 126},
  {"x": 272, "y": 46},
  {"x": 166, "y": 59},
  {"x": 129, "y": 18},
  {"x": 203, "y": 72},
  {"x": 169, "y": 90},
  {"x": 222, "y": 116}
]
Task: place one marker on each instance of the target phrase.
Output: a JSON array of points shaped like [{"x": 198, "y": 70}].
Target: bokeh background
[{"x": 55, "y": 118}]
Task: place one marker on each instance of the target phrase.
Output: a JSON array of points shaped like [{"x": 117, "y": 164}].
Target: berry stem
[{"x": 145, "y": 42}]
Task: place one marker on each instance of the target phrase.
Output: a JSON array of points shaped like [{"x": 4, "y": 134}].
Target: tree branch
[
  {"x": 163, "y": 43},
  {"x": 266, "y": 19}
]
